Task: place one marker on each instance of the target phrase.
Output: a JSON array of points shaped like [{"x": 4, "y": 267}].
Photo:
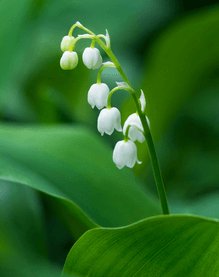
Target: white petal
[
  {"x": 133, "y": 119},
  {"x": 131, "y": 153},
  {"x": 135, "y": 134},
  {"x": 90, "y": 100},
  {"x": 101, "y": 122},
  {"x": 101, "y": 96},
  {"x": 116, "y": 116},
  {"x": 136, "y": 129},
  {"x": 118, "y": 126},
  {"x": 104, "y": 122},
  {"x": 118, "y": 157},
  {"x": 99, "y": 61}
]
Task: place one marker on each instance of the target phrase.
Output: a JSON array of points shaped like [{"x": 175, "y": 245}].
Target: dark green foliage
[{"x": 58, "y": 182}]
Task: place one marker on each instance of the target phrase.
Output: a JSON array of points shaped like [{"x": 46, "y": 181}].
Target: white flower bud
[
  {"x": 91, "y": 58},
  {"x": 67, "y": 43},
  {"x": 69, "y": 60},
  {"x": 142, "y": 101},
  {"x": 107, "y": 38},
  {"x": 135, "y": 132},
  {"x": 108, "y": 120},
  {"x": 125, "y": 154},
  {"x": 97, "y": 95}
]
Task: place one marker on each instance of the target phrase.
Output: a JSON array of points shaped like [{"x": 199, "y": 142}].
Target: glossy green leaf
[
  {"x": 13, "y": 171},
  {"x": 158, "y": 246},
  {"x": 21, "y": 215},
  {"x": 180, "y": 62},
  {"x": 76, "y": 167},
  {"x": 22, "y": 235}
]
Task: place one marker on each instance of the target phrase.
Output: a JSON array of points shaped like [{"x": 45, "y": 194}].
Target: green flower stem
[
  {"x": 155, "y": 164},
  {"x": 152, "y": 153},
  {"x": 113, "y": 58},
  {"x": 92, "y": 45},
  {"x": 126, "y": 136},
  {"x": 80, "y": 26}
]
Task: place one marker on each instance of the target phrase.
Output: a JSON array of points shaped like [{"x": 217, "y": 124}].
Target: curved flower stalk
[{"x": 137, "y": 125}]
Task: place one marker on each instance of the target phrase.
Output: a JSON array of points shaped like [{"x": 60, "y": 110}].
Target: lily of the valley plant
[{"x": 137, "y": 125}]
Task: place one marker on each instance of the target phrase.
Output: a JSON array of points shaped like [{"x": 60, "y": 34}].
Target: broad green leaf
[
  {"x": 15, "y": 172},
  {"x": 22, "y": 234},
  {"x": 21, "y": 216},
  {"x": 158, "y": 246},
  {"x": 76, "y": 167},
  {"x": 179, "y": 65}
]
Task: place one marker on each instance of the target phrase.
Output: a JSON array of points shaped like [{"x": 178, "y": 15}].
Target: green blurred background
[{"x": 169, "y": 48}]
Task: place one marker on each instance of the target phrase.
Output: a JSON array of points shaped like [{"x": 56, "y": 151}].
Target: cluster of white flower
[{"x": 99, "y": 95}]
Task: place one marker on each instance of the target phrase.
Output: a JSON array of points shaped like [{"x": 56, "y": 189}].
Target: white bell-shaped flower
[
  {"x": 97, "y": 95},
  {"x": 125, "y": 154},
  {"x": 67, "y": 43},
  {"x": 135, "y": 131},
  {"x": 91, "y": 58},
  {"x": 69, "y": 60},
  {"x": 108, "y": 120}
]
